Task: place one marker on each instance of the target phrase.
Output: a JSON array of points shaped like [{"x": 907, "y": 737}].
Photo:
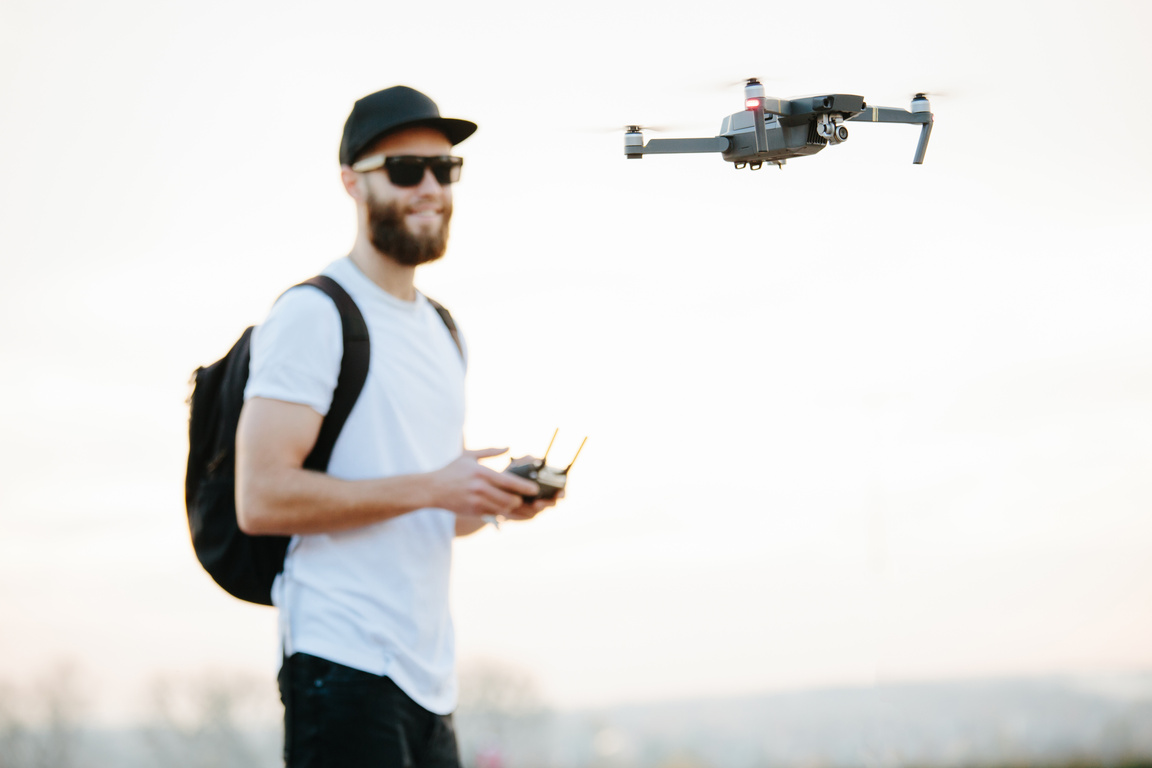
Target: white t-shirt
[{"x": 373, "y": 598}]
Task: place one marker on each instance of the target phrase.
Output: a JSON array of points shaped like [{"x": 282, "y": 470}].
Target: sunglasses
[{"x": 408, "y": 170}]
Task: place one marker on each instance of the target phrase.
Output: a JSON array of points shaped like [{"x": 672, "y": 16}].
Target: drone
[{"x": 771, "y": 130}]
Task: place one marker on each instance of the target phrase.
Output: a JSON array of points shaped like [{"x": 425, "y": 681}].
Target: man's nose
[{"x": 428, "y": 182}]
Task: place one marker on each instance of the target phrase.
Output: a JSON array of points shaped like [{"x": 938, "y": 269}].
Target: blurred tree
[
  {"x": 217, "y": 721},
  {"x": 501, "y": 721},
  {"x": 40, "y": 727}
]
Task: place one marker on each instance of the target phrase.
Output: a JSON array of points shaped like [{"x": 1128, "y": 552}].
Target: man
[{"x": 369, "y": 670}]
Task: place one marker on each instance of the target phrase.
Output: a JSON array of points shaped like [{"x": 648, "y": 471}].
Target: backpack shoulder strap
[
  {"x": 446, "y": 316},
  {"x": 353, "y": 371}
]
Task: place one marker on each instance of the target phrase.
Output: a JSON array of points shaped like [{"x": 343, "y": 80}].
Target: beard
[{"x": 390, "y": 235}]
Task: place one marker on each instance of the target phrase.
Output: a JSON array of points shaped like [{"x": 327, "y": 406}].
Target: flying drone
[{"x": 772, "y": 130}]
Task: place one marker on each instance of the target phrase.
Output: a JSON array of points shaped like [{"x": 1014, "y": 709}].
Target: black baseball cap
[{"x": 390, "y": 110}]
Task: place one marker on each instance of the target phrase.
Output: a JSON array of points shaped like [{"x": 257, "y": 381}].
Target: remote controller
[{"x": 550, "y": 479}]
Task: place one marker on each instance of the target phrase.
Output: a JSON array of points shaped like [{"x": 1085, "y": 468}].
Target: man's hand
[
  {"x": 468, "y": 488},
  {"x": 531, "y": 509}
]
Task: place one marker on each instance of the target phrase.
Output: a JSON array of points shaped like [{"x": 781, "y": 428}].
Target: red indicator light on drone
[{"x": 751, "y": 104}]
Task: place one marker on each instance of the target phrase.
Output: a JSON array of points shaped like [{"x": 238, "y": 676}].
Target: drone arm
[
  {"x": 891, "y": 115},
  {"x": 773, "y": 106},
  {"x": 678, "y": 146},
  {"x": 894, "y": 115}
]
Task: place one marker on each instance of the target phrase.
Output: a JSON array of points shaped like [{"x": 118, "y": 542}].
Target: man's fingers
[
  {"x": 514, "y": 483},
  {"x": 529, "y": 511},
  {"x": 496, "y": 501},
  {"x": 485, "y": 453}
]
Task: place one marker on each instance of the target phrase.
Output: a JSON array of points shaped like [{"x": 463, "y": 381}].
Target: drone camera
[{"x": 830, "y": 128}]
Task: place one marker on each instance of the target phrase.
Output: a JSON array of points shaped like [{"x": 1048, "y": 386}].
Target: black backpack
[{"x": 246, "y": 565}]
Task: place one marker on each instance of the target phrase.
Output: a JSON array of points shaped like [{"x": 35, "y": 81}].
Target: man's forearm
[
  {"x": 275, "y": 496},
  {"x": 290, "y": 501}
]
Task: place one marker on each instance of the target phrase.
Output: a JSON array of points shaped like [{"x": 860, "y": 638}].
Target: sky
[{"x": 852, "y": 421}]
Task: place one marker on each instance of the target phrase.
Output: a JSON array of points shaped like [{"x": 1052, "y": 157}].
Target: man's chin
[{"x": 410, "y": 250}]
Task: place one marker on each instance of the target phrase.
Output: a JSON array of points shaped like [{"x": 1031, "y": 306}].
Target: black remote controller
[{"x": 550, "y": 480}]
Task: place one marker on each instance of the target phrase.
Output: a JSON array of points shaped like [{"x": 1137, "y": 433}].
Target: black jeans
[{"x": 339, "y": 717}]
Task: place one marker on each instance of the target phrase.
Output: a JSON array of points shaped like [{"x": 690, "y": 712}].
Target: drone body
[{"x": 771, "y": 130}]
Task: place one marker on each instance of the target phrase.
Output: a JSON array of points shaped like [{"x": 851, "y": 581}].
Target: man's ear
[{"x": 353, "y": 183}]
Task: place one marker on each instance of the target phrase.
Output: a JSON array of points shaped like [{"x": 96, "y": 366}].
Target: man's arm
[{"x": 276, "y": 495}]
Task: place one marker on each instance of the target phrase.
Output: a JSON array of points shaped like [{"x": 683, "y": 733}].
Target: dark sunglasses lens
[
  {"x": 407, "y": 171},
  {"x": 446, "y": 169}
]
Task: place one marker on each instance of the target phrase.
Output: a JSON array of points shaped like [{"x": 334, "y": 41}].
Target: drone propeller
[
  {"x": 628, "y": 128},
  {"x": 929, "y": 93},
  {"x": 747, "y": 80}
]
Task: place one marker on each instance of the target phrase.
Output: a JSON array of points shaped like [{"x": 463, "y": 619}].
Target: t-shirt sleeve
[{"x": 296, "y": 351}]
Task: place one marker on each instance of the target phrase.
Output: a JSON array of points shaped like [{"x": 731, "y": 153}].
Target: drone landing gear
[{"x": 756, "y": 165}]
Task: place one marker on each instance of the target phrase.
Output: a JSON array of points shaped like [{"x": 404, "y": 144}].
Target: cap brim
[{"x": 455, "y": 130}]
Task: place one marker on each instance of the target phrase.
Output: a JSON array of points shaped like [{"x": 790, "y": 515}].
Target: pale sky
[{"x": 851, "y": 421}]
